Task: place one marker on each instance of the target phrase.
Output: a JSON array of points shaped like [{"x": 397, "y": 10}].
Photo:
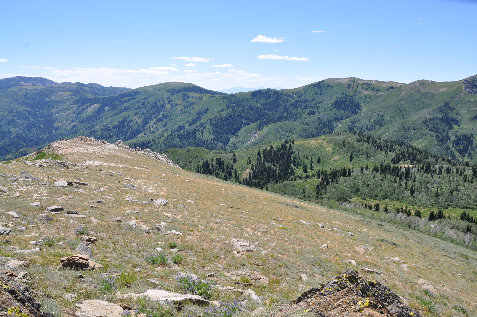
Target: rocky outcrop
[
  {"x": 18, "y": 298},
  {"x": 470, "y": 85},
  {"x": 79, "y": 262},
  {"x": 352, "y": 295}
]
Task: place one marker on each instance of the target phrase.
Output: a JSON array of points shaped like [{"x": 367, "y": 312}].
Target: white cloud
[
  {"x": 194, "y": 59},
  {"x": 264, "y": 39},
  {"x": 134, "y": 78},
  {"x": 3, "y": 60},
  {"x": 223, "y": 66},
  {"x": 190, "y": 65},
  {"x": 318, "y": 31},
  {"x": 285, "y": 58},
  {"x": 166, "y": 68}
]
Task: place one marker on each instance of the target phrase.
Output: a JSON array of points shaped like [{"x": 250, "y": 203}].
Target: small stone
[
  {"x": 368, "y": 270},
  {"x": 324, "y": 246},
  {"x": 35, "y": 203},
  {"x": 55, "y": 209},
  {"x": 118, "y": 219},
  {"x": 4, "y": 231},
  {"x": 160, "y": 202},
  {"x": 26, "y": 176},
  {"x": 132, "y": 211},
  {"x": 130, "y": 186},
  {"x": 303, "y": 277},
  {"x": 3, "y": 190},
  {"x": 321, "y": 225},
  {"x": 145, "y": 228},
  {"x": 89, "y": 239},
  {"x": 61, "y": 183},
  {"x": 243, "y": 246},
  {"x": 69, "y": 297},
  {"x": 13, "y": 214},
  {"x": 28, "y": 251},
  {"x": 352, "y": 262}
]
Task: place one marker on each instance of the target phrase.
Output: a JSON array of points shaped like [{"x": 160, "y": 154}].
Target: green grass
[{"x": 43, "y": 155}]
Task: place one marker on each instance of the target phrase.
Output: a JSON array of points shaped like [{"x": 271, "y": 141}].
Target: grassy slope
[{"x": 210, "y": 213}]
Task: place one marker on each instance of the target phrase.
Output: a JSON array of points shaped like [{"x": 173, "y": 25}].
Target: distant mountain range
[{"x": 440, "y": 117}]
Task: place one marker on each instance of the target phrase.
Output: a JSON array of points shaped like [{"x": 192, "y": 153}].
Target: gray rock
[
  {"x": 16, "y": 264},
  {"x": 30, "y": 251},
  {"x": 54, "y": 208},
  {"x": 165, "y": 296},
  {"x": 3, "y": 190},
  {"x": 260, "y": 311},
  {"x": 130, "y": 186},
  {"x": 254, "y": 297},
  {"x": 243, "y": 246},
  {"x": 84, "y": 248},
  {"x": 26, "y": 176},
  {"x": 98, "y": 308},
  {"x": 61, "y": 183},
  {"x": 4, "y": 231},
  {"x": 160, "y": 202},
  {"x": 13, "y": 214},
  {"x": 146, "y": 229},
  {"x": 132, "y": 211},
  {"x": 69, "y": 297}
]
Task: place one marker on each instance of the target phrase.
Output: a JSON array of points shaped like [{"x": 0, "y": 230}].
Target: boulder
[
  {"x": 79, "y": 262},
  {"x": 98, "y": 308}
]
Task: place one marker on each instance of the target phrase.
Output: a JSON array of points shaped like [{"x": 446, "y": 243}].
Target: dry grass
[{"x": 210, "y": 213}]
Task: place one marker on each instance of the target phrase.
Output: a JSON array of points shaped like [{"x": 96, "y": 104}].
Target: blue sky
[{"x": 224, "y": 44}]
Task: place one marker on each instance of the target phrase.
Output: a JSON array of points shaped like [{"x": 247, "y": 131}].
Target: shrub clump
[
  {"x": 156, "y": 259},
  {"x": 191, "y": 284}
]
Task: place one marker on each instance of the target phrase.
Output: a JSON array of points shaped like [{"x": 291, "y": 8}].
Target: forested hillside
[
  {"x": 358, "y": 169},
  {"x": 438, "y": 117}
]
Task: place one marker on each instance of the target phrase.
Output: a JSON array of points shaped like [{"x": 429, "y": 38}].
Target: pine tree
[{"x": 432, "y": 216}]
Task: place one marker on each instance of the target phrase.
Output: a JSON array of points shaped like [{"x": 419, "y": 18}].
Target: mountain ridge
[{"x": 435, "y": 116}]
